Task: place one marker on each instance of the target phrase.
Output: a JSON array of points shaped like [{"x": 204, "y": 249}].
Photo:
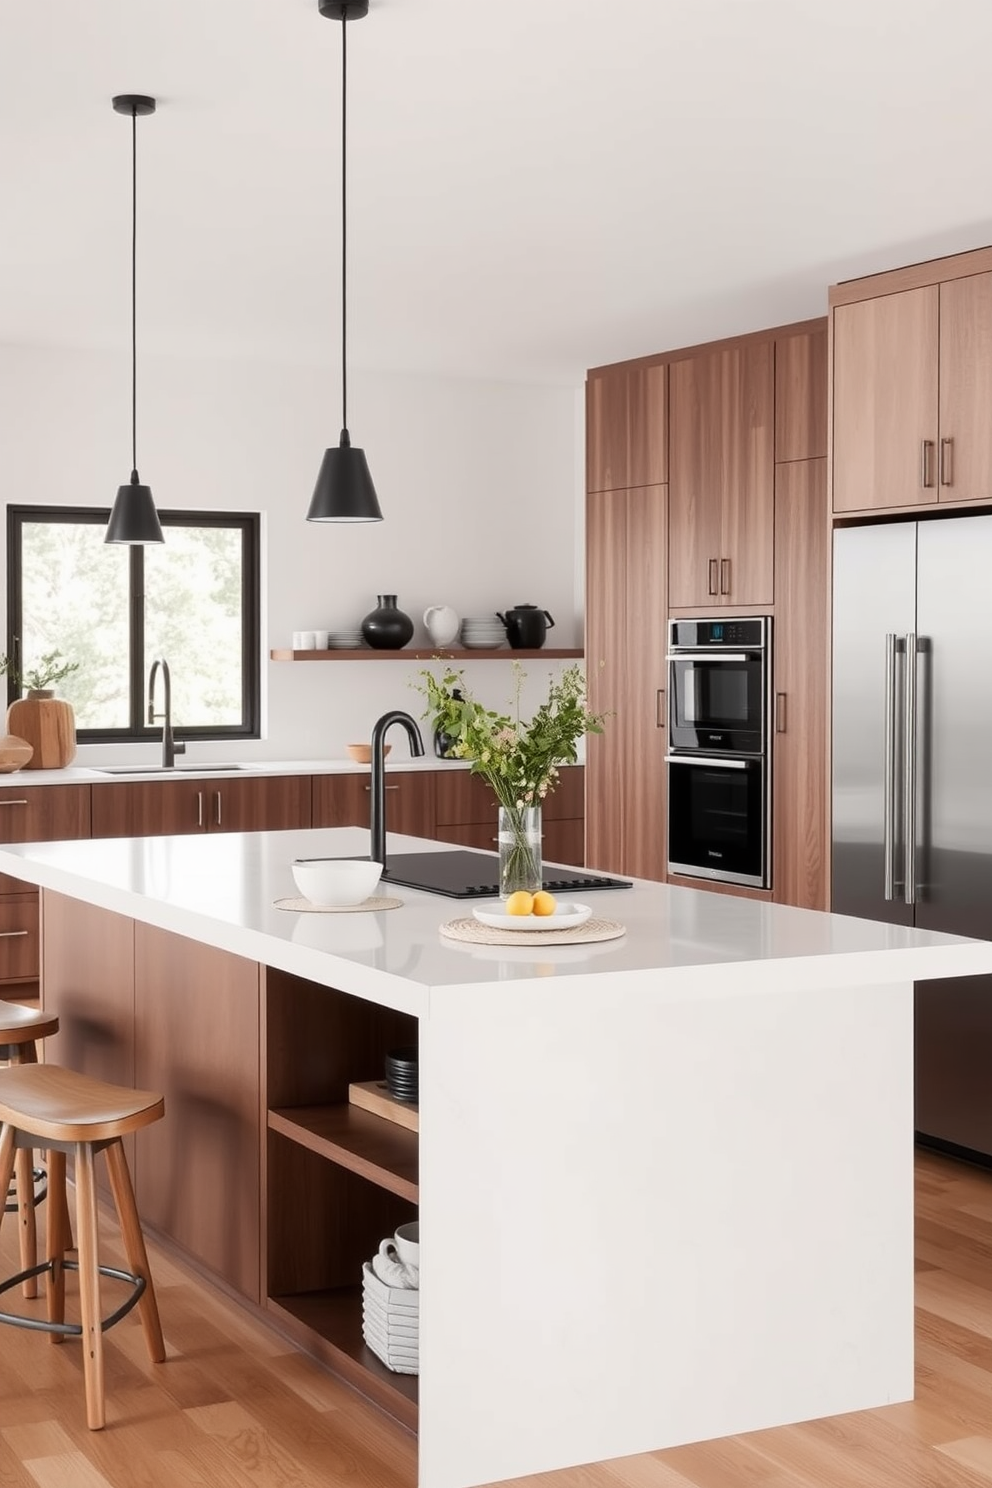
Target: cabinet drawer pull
[
  {"x": 780, "y": 712},
  {"x": 946, "y": 467},
  {"x": 712, "y": 588},
  {"x": 724, "y": 575},
  {"x": 659, "y": 708},
  {"x": 926, "y": 471},
  {"x": 19, "y": 802},
  {"x": 388, "y": 787},
  {"x": 199, "y": 808},
  {"x": 11, "y": 934},
  {"x": 217, "y": 817}
]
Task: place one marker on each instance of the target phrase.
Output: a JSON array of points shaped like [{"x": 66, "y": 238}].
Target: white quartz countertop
[
  {"x": 221, "y": 890},
  {"x": 124, "y": 769}
]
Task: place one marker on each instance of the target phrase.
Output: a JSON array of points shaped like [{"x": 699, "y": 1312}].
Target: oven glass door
[
  {"x": 718, "y": 819},
  {"x": 718, "y": 701}
]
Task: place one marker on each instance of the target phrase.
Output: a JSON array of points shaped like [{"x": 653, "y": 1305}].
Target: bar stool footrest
[{"x": 72, "y": 1330}]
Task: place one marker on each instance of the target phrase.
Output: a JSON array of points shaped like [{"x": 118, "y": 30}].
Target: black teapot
[{"x": 526, "y": 626}]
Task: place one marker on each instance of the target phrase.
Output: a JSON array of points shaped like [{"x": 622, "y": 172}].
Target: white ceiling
[{"x": 536, "y": 186}]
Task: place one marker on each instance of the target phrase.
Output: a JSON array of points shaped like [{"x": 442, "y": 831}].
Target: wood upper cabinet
[
  {"x": 912, "y": 384},
  {"x": 722, "y": 466},
  {"x": 625, "y": 645},
  {"x": 345, "y": 801},
  {"x": 156, "y": 808},
  {"x": 885, "y": 400},
  {"x": 626, "y": 427},
  {"x": 801, "y": 396},
  {"x": 800, "y": 805}
]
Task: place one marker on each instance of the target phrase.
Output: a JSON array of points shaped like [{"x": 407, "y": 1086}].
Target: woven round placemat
[
  {"x": 476, "y": 933},
  {"x": 303, "y": 906}
]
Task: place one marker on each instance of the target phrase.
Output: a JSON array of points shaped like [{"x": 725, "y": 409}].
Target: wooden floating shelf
[
  {"x": 375, "y": 1149},
  {"x": 368, "y": 653}
]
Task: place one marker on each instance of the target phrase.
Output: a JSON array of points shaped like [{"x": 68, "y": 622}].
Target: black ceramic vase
[{"x": 386, "y": 628}]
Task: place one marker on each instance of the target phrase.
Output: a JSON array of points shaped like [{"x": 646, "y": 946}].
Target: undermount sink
[{"x": 203, "y": 769}]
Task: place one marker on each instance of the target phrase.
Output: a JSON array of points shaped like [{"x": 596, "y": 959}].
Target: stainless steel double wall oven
[{"x": 719, "y": 760}]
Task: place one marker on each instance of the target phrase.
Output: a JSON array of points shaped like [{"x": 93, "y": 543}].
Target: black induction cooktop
[{"x": 464, "y": 874}]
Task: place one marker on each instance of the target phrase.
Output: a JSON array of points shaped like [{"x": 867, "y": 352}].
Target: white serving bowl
[{"x": 336, "y": 883}]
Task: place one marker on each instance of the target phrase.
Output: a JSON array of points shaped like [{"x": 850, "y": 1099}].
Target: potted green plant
[{"x": 44, "y": 721}]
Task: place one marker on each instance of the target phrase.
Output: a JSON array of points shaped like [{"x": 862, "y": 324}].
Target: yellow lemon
[
  {"x": 520, "y": 903},
  {"x": 544, "y": 903}
]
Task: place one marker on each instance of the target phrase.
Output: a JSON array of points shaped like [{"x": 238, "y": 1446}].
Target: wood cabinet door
[
  {"x": 885, "y": 401},
  {"x": 41, "y": 813},
  {"x": 151, "y": 808},
  {"x": 722, "y": 463},
  {"x": 265, "y": 803},
  {"x": 626, "y": 427},
  {"x": 801, "y": 396},
  {"x": 626, "y": 613},
  {"x": 345, "y": 801},
  {"x": 196, "y": 1039},
  {"x": 964, "y": 464},
  {"x": 801, "y": 801}
]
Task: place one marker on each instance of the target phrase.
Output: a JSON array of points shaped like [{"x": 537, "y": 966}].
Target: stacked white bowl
[{"x": 483, "y": 632}]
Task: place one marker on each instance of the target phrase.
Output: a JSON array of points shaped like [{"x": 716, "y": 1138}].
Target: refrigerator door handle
[
  {"x": 909, "y": 772},
  {"x": 892, "y": 644}
]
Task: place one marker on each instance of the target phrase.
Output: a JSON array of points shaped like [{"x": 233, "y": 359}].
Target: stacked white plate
[
  {"x": 483, "y": 632},
  {"x": 346, "y": 640},
  {"x": 391, "y": 1323}
]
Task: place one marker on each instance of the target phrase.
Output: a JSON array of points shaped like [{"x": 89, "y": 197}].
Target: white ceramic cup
[
  {"x": 297, "y": 640},
  {"x": 320, "y": 640},
  {"x": 407, "y": 1239},
  {"x": 308, "y": 640}
]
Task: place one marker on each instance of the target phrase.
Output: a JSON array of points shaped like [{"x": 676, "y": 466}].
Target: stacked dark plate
[{"x": 403, "y": 1074}]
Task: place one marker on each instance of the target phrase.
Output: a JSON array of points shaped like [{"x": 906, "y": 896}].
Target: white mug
[
  {"x": 320, "y": 640},
  {"x": 407, "y": 1240},
  {"x": 297, "y": 640},
  {"x": 308, "y": 640}
]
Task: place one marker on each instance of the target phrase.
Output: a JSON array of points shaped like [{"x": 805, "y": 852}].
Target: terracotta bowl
[{"x": 362, "y": 753}]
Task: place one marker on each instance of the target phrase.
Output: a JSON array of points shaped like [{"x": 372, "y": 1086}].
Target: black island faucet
[{"x": 377, "y": 809}]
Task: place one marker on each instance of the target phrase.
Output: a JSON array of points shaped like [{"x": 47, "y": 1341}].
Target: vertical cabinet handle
[
  {"x": 946, "y": 465},
  {"x": 659, "y": 708},
  {"x": 199, "y": 808},
  {"x": 926, "y": 462},
  {"x": 780, "y": 712},
  {"x": 217, "y": 817},
  {"x": 712, "y": 588},
  {"x": 724, "y": 575}
]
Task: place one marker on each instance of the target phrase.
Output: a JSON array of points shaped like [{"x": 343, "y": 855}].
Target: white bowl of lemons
[{"x": 525, "y": 911}]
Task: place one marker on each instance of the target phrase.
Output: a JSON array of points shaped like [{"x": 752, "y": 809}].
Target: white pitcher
[{"x": 442, "y": 624}]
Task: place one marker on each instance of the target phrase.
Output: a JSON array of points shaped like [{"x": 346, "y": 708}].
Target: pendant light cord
[
  {"x": 134, "y": 295},
  {"x": 344, "y": 221}
]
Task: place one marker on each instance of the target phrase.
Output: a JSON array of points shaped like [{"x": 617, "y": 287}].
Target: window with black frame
[{"x": 194, "y": 600}]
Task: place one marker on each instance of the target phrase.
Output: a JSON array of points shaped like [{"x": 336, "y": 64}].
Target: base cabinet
[
  {"x": 345, "y": 801},
  {"x": 155, "y": 808},
  {"x": 465, "y": 812}
]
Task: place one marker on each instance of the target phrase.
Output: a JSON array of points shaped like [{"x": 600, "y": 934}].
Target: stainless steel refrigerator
[{"x": 912, "y": 780}]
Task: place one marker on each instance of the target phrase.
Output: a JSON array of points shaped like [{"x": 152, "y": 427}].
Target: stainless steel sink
[{"x": 188, "y": 769}]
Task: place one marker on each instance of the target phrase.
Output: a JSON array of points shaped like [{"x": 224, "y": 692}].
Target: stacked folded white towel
[{"x": 391, "y": 1310}]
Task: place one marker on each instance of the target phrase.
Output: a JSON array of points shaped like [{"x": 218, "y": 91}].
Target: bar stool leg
[
  {"x": 7, "y": 1156},
  {"x": 24, "y": 1182},
  {"x": 134, "y": 1248},
  {"x": 89, "y": 1286},
  {"x": 57, "y": 1242}
]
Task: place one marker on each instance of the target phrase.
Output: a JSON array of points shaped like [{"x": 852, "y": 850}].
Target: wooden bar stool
[
  {"x": 20, "y": 1028},
  {"x": 45, "y": 1105}
]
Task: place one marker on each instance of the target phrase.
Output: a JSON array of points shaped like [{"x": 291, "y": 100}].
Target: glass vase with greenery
[{"x": 518, "y": 759}]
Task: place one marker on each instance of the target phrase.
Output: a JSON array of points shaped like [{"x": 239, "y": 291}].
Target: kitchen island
[{"x": 665, "y": 1182}]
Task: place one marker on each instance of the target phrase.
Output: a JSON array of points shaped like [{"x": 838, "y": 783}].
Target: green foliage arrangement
[
  {"x": 518, "y": 760},
  {"x": 49, "y": 670}
]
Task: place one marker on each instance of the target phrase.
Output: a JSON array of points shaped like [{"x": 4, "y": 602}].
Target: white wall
[{"x": 479, "y": 484}]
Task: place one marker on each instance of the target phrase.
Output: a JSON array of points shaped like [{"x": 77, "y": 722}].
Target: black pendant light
[
  {"x": 344, "y": 491},
  {"x": 134, "y": 518}
]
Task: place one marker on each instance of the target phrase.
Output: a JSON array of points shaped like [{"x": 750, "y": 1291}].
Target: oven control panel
[{"x": 750, "y": 632}]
